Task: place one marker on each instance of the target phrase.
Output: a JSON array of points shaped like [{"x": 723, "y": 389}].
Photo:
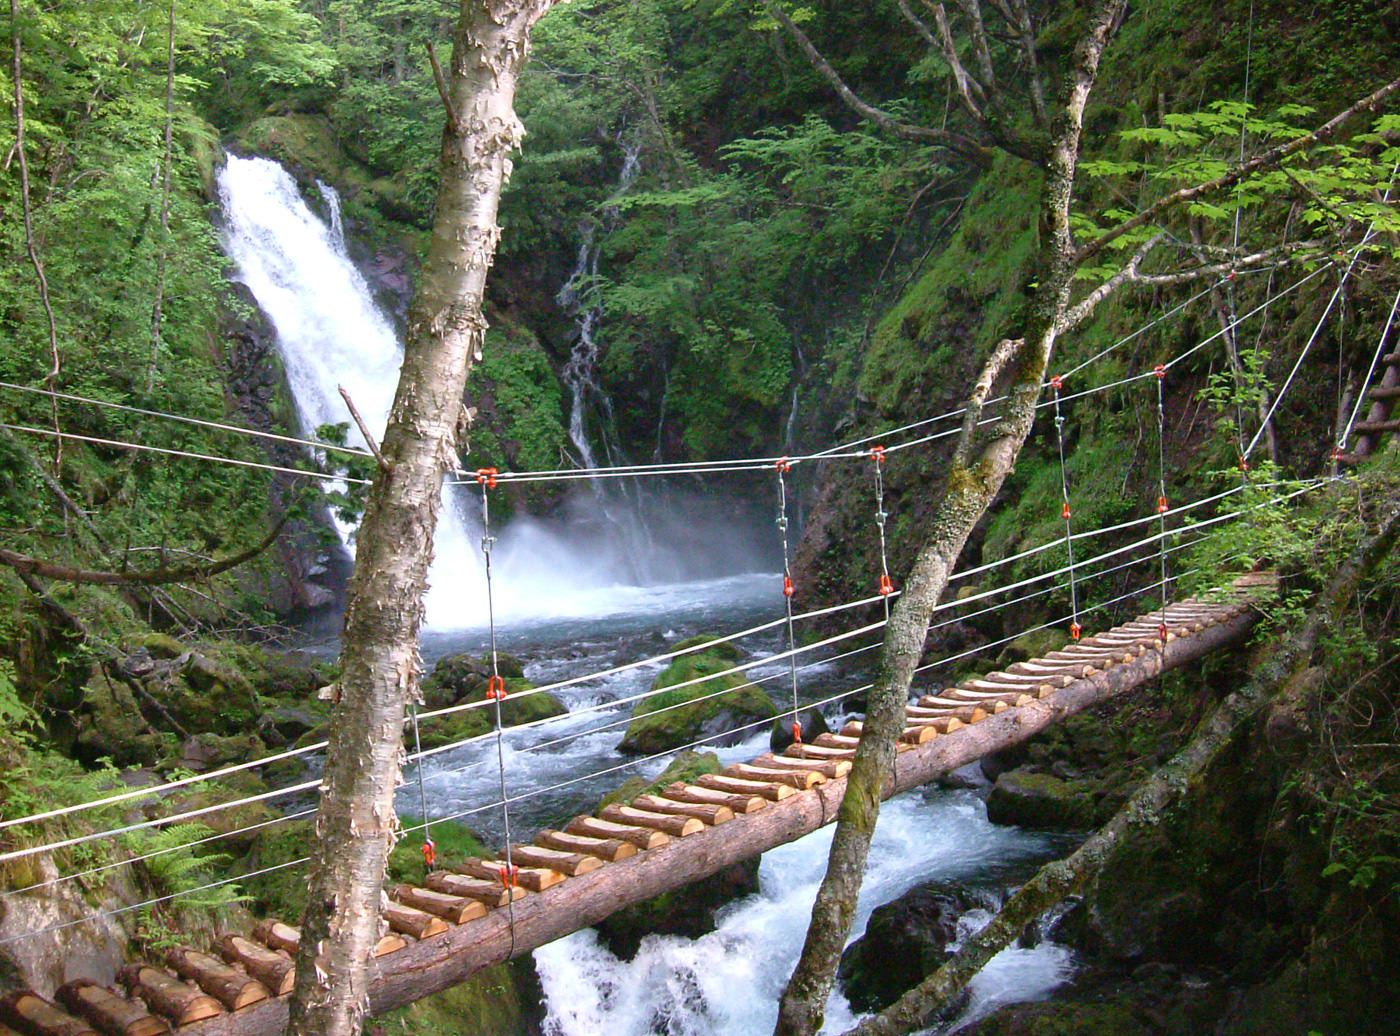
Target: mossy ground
[{"x": 685, "y": 714}]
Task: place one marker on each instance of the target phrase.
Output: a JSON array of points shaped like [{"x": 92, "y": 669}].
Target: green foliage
[{"x": 15, "y": 715}]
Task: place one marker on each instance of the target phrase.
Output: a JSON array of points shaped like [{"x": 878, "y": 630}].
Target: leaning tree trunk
[
  {"x": 379, "y": 656},
  {"x": 1275, "y": 672},
  {"x": 972, "y": 485}
]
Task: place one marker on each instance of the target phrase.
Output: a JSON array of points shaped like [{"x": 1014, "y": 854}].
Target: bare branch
[
  {"x": 25, "y": 565},
  {"x": 1267, "y": 160},
  {"x": 1086, "y": 306},
  {"x": 968, "y": 88},
  {"x": 981, "y": 48},
  {"x": 441, "y": 81},
  {"x": 1006, "y": 350},
  {"x": 964, "y": 145}
]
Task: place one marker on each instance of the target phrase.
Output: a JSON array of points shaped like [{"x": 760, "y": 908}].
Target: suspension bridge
[{"x": 472, "y": 913}]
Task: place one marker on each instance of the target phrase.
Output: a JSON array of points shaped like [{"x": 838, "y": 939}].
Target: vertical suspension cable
[
  {"x": 1233, "y": 342},
  {"x": 429, "y": 846},
  {"x": 1162, "y": 506},
  {"x": 877, "y": 457},
  {"x": 1074, "y": 628},
  {"x": 496, "y": 691},
  {"x": 783, "y": 467}
]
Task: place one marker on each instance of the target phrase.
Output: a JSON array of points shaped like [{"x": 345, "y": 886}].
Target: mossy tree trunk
[
  {"x": 978, "y": 470},
  {"x": 1276, "y": 673},
  {"x": 380, "y": 666}
]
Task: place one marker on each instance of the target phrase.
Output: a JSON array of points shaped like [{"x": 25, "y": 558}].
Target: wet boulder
[
  {"x": 710, "y": 708},
  {"x": 1028, "y": 798},
  {"x": 904, "y": 942},
  {"x": 459, "y": 679}
]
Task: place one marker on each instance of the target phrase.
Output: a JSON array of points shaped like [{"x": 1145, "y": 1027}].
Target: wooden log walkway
[{"x": 470, "y": 915}]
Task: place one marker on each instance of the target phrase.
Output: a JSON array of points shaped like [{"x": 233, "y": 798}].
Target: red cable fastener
[
  {"x": 1336, "y": 454},
  {"x": 797, "y": 732},
  {"x": 487, "y": 477},
  {"x": 1057, "y": 383},
  {"x": 788, "y": 588},
  {"x": 886, "y": 587},
  {"x": 1065, "y": 511},
  {"x": 496, "y": 689},
  {"x": 1230, "y": 276},
  {"x": 1244, "y": 464},
  {"x": 509, "y": 873},
  {"x": 429, "y": 853},
  {"x": 1075, "y": 630},
  {"x": 878, "y": 453},
  {"x": 1160, "y": 370},
  {"x": 783, "y": 465},
  {"x": 1163, "y": 632},
  {"x": 1162, "y": 506}
]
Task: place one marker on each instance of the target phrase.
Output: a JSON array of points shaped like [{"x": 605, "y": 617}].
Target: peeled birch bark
[{"x": 379, "y": 658}]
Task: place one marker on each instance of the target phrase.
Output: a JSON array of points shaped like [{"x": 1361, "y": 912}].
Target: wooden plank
[
  {"x": 801, "y": 750},
  {"x": 677, "y": 827},
  {"x": 534, "y": 879},
  {"x": 391, "y": 942},
  {"x": 918, "y": 735},
  {"x": 799, "y": 779},
  {"x": 114, "y": 1015},
  {"x": 745, "y": 786},
  {"x": 828, "y": 768},
  {"x": 232, "y": 987},
  {"x": 1376, "y": 427},
  {"x": 1036, "y": 688},
  {"x": 641, "y": 837},
  {"x": 841, "y": 740},
  {"x": 31, "y": 1012},
  {"x": 739, "y": 803},
  {"x": 276, "y": 935},
  {"x": 705, "y": 812},
  {"x": 411, "y": 921},
  {"x": 1384, "y": 392},
  {"x": 608, "y": 849},
  {"x": 273, "y": 968},
  {"x": 964, "y": 711},
  {"x": 180, "y": 1002},
  {"x": 455, "y": 909},
  {"x": 1038, "y": 681},
  {"x": 554, "y": 859},
  {"x": 489, "y": 892},
  {"x": 1074, "y": 669}
]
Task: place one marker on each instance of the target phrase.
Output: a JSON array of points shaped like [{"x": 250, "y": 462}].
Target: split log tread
[
  {"x": 595, "y": 827},
  {"x": 570, "y": 863},
  {"x": 705, "y": 812},
  {"x": 535, "y": 879},
  {"x": 108, "y": 1011},
  {"x": 32, "y": 1012},
  {"x": 608, "y": 849},
  {"x": 410, "y": 919},
  {"x": 489, "y": 892},
  {"x": 676, "y": 827},
  {"x": 180, "y": 1002},
  {"x": 231, "y": 986},
  {"x": 740, "y": 803},
  {"x": 273, "y": 968}
]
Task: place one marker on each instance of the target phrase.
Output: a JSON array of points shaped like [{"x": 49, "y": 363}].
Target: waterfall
[
  {"x": 329, "y": 333},
  {"x": 578, "y": 298}
]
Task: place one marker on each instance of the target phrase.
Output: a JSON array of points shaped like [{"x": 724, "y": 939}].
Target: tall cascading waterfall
[{"x": 329, "y": 334}]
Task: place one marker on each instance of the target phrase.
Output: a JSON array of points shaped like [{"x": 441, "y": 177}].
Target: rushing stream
[{"x": 571, "y": 600}]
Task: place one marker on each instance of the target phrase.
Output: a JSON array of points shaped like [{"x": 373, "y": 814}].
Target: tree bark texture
[
  {"x": 972, "y": 486},
  {"x": 379, "y": 659},
  {"x": 1056, "y": 881}
]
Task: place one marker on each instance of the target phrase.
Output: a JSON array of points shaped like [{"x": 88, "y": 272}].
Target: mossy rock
[
  {"x": 1032, "y": 644},
  {"x": 458, "y": 726},
  {"x": 1041, "y": 800},
  {"x": 162, "y": 645},
  {"x": 207, "y": 751},
  {"x": 111, "y": 726},
  {"x": 685, "y": 768},
  {"x": 458, "y": 678},
  {"x": 688, "y": 714},
  {"x": 307, "y": 142},
  {"x": 504, "y": 1000}
]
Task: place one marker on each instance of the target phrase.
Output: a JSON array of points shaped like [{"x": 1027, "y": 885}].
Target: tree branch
[
  {"x": 25, "y": 565},
  {"x": 441, "y": 81},
  {"x": 1265, "y": 160},
  {"x": 1062, "y": 878},
  {"x": 963, "y": 145},
  {"x": 1006, "y": 350}
]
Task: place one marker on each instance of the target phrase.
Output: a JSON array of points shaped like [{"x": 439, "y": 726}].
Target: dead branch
[{"x": 26, "y": 565}]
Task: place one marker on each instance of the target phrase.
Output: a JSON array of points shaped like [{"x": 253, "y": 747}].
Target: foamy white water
[
  {"x": 727, "y": 983},
  {"x": 330, "y": 333}
]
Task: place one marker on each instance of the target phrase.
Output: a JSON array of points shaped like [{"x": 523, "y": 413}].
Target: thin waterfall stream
[{"x": 565, "y": 611}]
